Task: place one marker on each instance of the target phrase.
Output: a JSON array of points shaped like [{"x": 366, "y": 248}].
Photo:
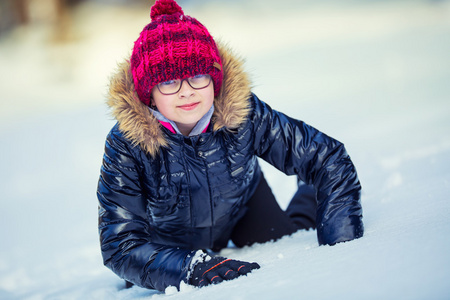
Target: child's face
[{"x": 186, "y": 107}]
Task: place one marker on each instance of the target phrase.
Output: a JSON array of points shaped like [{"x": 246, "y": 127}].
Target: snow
[{"x": 373, "y": 74}]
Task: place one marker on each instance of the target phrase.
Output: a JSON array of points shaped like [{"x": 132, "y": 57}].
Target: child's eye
[
  {"x": 199, "y": 76},
  {"x": 169, "y": 82}
]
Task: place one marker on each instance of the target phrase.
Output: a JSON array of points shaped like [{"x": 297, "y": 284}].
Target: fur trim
[
  {"x": 231, "y": 107},
  {"x": 135, "y": 120}
]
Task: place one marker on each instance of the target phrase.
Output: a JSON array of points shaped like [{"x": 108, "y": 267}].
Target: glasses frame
[{"x": 181, "y": 84}]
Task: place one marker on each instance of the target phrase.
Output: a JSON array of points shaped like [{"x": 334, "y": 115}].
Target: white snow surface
[{"x": 373, "y": 74}]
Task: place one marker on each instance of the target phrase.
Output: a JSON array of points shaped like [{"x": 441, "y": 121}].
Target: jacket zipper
[{"x": 211, "y": 204}]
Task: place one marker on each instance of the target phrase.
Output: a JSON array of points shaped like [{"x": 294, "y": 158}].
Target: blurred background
[
  {"x": 374, "y": 74},
  {"x": 50, "y": 47}
]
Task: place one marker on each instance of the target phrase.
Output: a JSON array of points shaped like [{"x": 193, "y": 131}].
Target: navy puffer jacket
[{"x": 163, "y": 196}]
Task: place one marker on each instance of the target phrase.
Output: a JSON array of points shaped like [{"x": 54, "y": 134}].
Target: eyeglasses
[{"x": 171, "y": 87}]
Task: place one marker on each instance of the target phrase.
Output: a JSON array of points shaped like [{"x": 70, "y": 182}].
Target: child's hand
[{"x": 218, "y": 269}]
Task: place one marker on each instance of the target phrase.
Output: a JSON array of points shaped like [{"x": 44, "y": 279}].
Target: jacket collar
[
  {"x": 138, "y": 124},
  {"x": 201, "y": 126}
]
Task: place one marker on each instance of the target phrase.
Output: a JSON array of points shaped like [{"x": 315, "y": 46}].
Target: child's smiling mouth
[{"x": 189, "y": 106}]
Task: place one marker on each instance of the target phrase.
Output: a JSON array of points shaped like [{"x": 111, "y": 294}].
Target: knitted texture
[{"x": 173, "y": 46}]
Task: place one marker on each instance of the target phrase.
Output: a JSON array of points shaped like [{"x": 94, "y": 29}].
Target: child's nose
[{"x": 186, "y": 90}]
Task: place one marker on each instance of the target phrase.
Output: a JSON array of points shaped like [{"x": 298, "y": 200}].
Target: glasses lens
[
  {"x": 199, "y": 81},
  {"x": 169, "y": 87}
]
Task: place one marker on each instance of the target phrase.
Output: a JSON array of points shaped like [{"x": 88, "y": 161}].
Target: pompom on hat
[{"x": 173, "y": 46}]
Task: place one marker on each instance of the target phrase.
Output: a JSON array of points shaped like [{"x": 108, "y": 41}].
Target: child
[{"x": 180, "y": 176}]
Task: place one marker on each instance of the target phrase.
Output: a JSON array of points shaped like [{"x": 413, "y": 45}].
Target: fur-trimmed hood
[{"x": 138, "y": 124}]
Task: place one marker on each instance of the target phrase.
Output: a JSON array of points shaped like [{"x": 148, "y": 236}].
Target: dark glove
[{"x": 218, "y": 269}]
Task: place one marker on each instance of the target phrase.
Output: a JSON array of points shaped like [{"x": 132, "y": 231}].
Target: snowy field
[{"x": 373, "y": 74}]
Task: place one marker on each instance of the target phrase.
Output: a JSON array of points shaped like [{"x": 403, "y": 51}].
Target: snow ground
[{"x": 373, "y": 74}]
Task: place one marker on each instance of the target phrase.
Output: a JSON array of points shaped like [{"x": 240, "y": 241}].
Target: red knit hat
[{"x": 173, "y": 46}]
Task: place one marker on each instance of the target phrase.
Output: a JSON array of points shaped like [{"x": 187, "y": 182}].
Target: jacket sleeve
[
  {"x": 125, "y": 235},
  {"x": 296, "y": 148}
]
